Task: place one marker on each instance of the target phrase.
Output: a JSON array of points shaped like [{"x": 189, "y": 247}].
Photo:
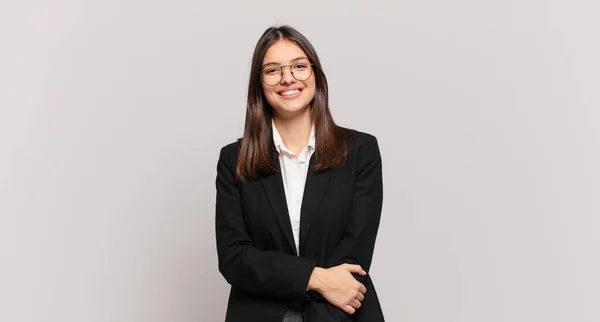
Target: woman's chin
[{"x": 291, "y": 110}]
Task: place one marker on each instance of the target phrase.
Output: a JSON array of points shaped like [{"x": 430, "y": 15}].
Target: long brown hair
[{"x": 257, "y": 154}]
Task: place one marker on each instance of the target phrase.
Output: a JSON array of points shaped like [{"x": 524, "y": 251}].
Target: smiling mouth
[{"x": 290, "y": 92}]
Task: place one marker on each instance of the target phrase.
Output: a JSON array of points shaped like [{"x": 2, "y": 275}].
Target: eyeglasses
[{"x": 300, "y": 70}]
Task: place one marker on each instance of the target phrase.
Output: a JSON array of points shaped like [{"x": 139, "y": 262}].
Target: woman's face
[{"x": 291, "y": 96}]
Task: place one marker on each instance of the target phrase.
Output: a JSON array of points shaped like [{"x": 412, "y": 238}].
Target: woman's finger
[
  {"x": 362, "y": 288},
  {"x": 355, "y": 303},
  {"x": 360, "y": 296},
  {"x": 357, "y": 269},
  {"x": 349, "y": 309}
]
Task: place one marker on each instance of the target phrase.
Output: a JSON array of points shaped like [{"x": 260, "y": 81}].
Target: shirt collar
[{"x": 278, "y": 141}]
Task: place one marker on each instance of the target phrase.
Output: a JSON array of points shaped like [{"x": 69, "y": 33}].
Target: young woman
[{"x": 298, "y": 198}]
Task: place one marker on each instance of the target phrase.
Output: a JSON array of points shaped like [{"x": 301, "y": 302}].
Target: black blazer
[{"x": 340, "y": 214}]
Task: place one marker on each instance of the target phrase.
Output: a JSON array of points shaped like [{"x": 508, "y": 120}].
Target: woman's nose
[{"x": 286, "y": 75}]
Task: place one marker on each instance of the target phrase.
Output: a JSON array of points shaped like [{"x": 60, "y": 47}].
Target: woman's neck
[{"x": 295, "y": 132}]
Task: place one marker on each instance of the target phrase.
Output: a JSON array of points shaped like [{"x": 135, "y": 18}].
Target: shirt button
[{"x": 298, "y": 202}]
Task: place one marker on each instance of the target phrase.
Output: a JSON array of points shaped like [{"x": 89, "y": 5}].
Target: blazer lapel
[
  {"x": 316, "y": 184},
  {"x": 273, "y": 186}
]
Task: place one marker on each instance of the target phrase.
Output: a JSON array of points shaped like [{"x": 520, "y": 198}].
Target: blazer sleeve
[
  {"x": 358, "y": 240},
  {"x": 360, "y": 232},
  {"x": 244, "y": 266}
]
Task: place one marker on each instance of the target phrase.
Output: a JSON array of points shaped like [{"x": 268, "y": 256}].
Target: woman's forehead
[{"x": 283, "y": 52}]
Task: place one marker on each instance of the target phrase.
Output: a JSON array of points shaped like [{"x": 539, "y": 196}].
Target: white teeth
[{"x": 286, "y": 93}]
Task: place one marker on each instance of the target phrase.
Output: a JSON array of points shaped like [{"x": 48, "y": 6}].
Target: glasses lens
[
  {"x": 301, "y": 70},
  {"x": 271, "y": 75}
]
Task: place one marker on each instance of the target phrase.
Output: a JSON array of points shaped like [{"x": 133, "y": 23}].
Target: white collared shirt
[{"x": 294, "y": 169}]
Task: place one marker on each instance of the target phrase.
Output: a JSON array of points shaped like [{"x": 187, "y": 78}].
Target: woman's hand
[{"x": 338, "y": 286}]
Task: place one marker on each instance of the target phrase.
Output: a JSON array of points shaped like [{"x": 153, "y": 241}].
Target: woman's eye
[
  {"x": 271, "y": 71},
  {"x": 301, "y": 66}
]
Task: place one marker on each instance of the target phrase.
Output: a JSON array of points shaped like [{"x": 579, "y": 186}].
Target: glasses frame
[{"x": 260, "y": 72}]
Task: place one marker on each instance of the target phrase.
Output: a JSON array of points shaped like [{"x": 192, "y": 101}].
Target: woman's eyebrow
[{"x": 291, "y": 61}]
